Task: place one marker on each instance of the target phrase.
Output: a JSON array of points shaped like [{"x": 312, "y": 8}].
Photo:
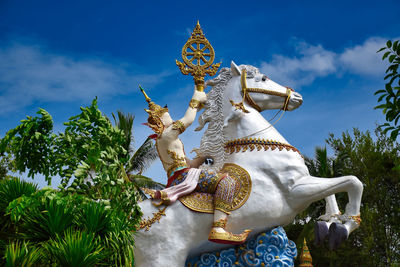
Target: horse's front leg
[{"x": 310, "y": 189}]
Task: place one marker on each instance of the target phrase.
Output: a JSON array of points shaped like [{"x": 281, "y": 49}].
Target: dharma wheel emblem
[{"x": 198, "y": 57}]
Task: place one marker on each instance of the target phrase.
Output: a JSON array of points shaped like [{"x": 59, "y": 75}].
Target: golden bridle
[
  {"x": 246, "y": 96},
  {"x": 246, "y": 90}
]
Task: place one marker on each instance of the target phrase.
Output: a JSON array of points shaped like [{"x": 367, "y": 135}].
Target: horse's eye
[{"x": 264, "y": 78}]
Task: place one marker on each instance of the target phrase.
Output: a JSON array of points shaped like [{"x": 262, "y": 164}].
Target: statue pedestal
[{"x": 270, "y": 248}]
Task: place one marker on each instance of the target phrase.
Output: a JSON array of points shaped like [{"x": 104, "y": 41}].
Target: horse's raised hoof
[
  {"x": 337, "y": 234},
  {"x": 320, "y": 233}
]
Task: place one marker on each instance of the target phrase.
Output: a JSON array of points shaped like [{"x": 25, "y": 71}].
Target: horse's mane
[{"x": 213, "y": 140}]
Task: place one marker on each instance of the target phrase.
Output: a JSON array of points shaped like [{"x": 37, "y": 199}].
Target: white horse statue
[{"x": 281, "y": 184}]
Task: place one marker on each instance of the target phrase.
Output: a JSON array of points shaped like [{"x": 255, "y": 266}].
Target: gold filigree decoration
[
  {"x": 357, "y": 219},
  {"x": 245, "y": 144},
  {"x": 220, "y": 223},
  {"x": 150, "y": 192},
  {"x": 178, "y": 125},
  {"x": 194, "y": 103},
  {"x": 239, "y": 106},
  {"x": 204, "y": 202},
  {"x": 147, "y": 223},
  {"x": 177, "y": 162},
  {"x": 198, "y": 56}
]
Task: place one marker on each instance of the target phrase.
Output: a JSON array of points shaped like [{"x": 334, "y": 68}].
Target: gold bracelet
[
  {"x": 178, "y": 125},
  {"x": 220, "y": 223},
  {"x": 194, "y": 103}
]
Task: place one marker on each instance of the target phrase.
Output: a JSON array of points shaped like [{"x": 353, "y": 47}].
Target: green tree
[
  {"x": 390, "y": 96},
  {"x": 373, "y": 161}
]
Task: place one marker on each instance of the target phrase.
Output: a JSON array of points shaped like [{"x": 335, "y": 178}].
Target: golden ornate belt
[{"x": 244, "y": 144}]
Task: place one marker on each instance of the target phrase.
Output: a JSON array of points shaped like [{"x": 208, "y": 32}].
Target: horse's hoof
[
  {"x": 320, "y": 233},
  {"x": 337, "y": 234}
]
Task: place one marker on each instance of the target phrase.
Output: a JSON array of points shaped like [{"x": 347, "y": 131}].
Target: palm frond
[
  {"x": 120, "y": 245},
  {"x": 311, "y": 166},
  {"x": 47, "y": 220},
  {"x": 125, "y": 123},
  {"x": 322, "y": 162},
  {"x": 95, "y": 218},
  {"x": 139, "y": 181},
  {"x": 14, "y": 188},
  {"x": 143, "y": 181},
  {"x": 143, "y": 157},
  {"x": 75, "y": 248},
  {"x": 21, "y": 254}
]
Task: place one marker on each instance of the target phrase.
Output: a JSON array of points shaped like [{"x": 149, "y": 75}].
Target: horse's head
[
  {"x": 248, "y": 90},
  {"x": 261, "y": 93}
]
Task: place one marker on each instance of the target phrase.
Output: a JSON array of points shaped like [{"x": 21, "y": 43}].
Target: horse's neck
[{"x": 252, "y": 125}]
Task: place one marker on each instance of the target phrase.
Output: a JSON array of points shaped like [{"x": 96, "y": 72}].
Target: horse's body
[{"x": 281, "y": 184}]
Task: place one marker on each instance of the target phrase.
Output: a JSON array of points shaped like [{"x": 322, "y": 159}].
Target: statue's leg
[{"x": 223, "y": 199}]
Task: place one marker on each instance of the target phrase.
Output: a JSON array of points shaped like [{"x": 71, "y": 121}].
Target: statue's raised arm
[{"x": 196, "y": 103}]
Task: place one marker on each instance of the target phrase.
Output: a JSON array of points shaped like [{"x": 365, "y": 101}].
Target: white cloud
[
  {"x": 363, "y": 59},
  {"x": 30, "y": 73},
  {"x": 312, "y": 62}
]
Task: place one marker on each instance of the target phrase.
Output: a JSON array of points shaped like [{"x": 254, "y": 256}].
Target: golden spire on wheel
[{"x": 198, "y": 57}]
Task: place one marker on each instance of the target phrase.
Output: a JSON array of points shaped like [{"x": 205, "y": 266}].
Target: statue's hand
[{"x": 200, "y": 96}]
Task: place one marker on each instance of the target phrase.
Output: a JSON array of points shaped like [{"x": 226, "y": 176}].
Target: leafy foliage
[
  {"x": 91, "y": 156},
  {"x": 69, "y": 229},
  {"x": 390, "y": 96},
  {"x": 96, "y": 206},
  {"x": 376, "y": 242},
  {"x": 31, "y": 144}
]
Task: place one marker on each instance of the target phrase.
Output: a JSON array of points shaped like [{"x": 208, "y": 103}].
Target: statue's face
[{"x": 166, "y": 119}]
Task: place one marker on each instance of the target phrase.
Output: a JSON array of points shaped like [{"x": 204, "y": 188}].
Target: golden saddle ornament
[{"x": 204, "y": 202}]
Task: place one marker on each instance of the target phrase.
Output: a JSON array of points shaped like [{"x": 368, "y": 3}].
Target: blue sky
[{"x": 59, "y": 55}]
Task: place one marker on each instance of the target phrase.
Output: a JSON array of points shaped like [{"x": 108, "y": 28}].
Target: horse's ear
[{"x": 235, "y": 69}]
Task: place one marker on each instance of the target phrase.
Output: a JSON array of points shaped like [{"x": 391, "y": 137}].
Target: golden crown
[{"x": 155, "y": 113}]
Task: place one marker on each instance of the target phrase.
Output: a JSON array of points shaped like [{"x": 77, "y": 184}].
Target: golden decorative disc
[
  {"x": 198, "y": 52},
  {"x": 204, "y": 202}
]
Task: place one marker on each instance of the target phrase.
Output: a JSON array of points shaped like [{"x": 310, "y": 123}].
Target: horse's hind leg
[
  {"x": 331, "y": 207},
  {"x": 310, "y": 189},
  {"x": 331, "y": 210},
  {"x": 321, "y": 228}
]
